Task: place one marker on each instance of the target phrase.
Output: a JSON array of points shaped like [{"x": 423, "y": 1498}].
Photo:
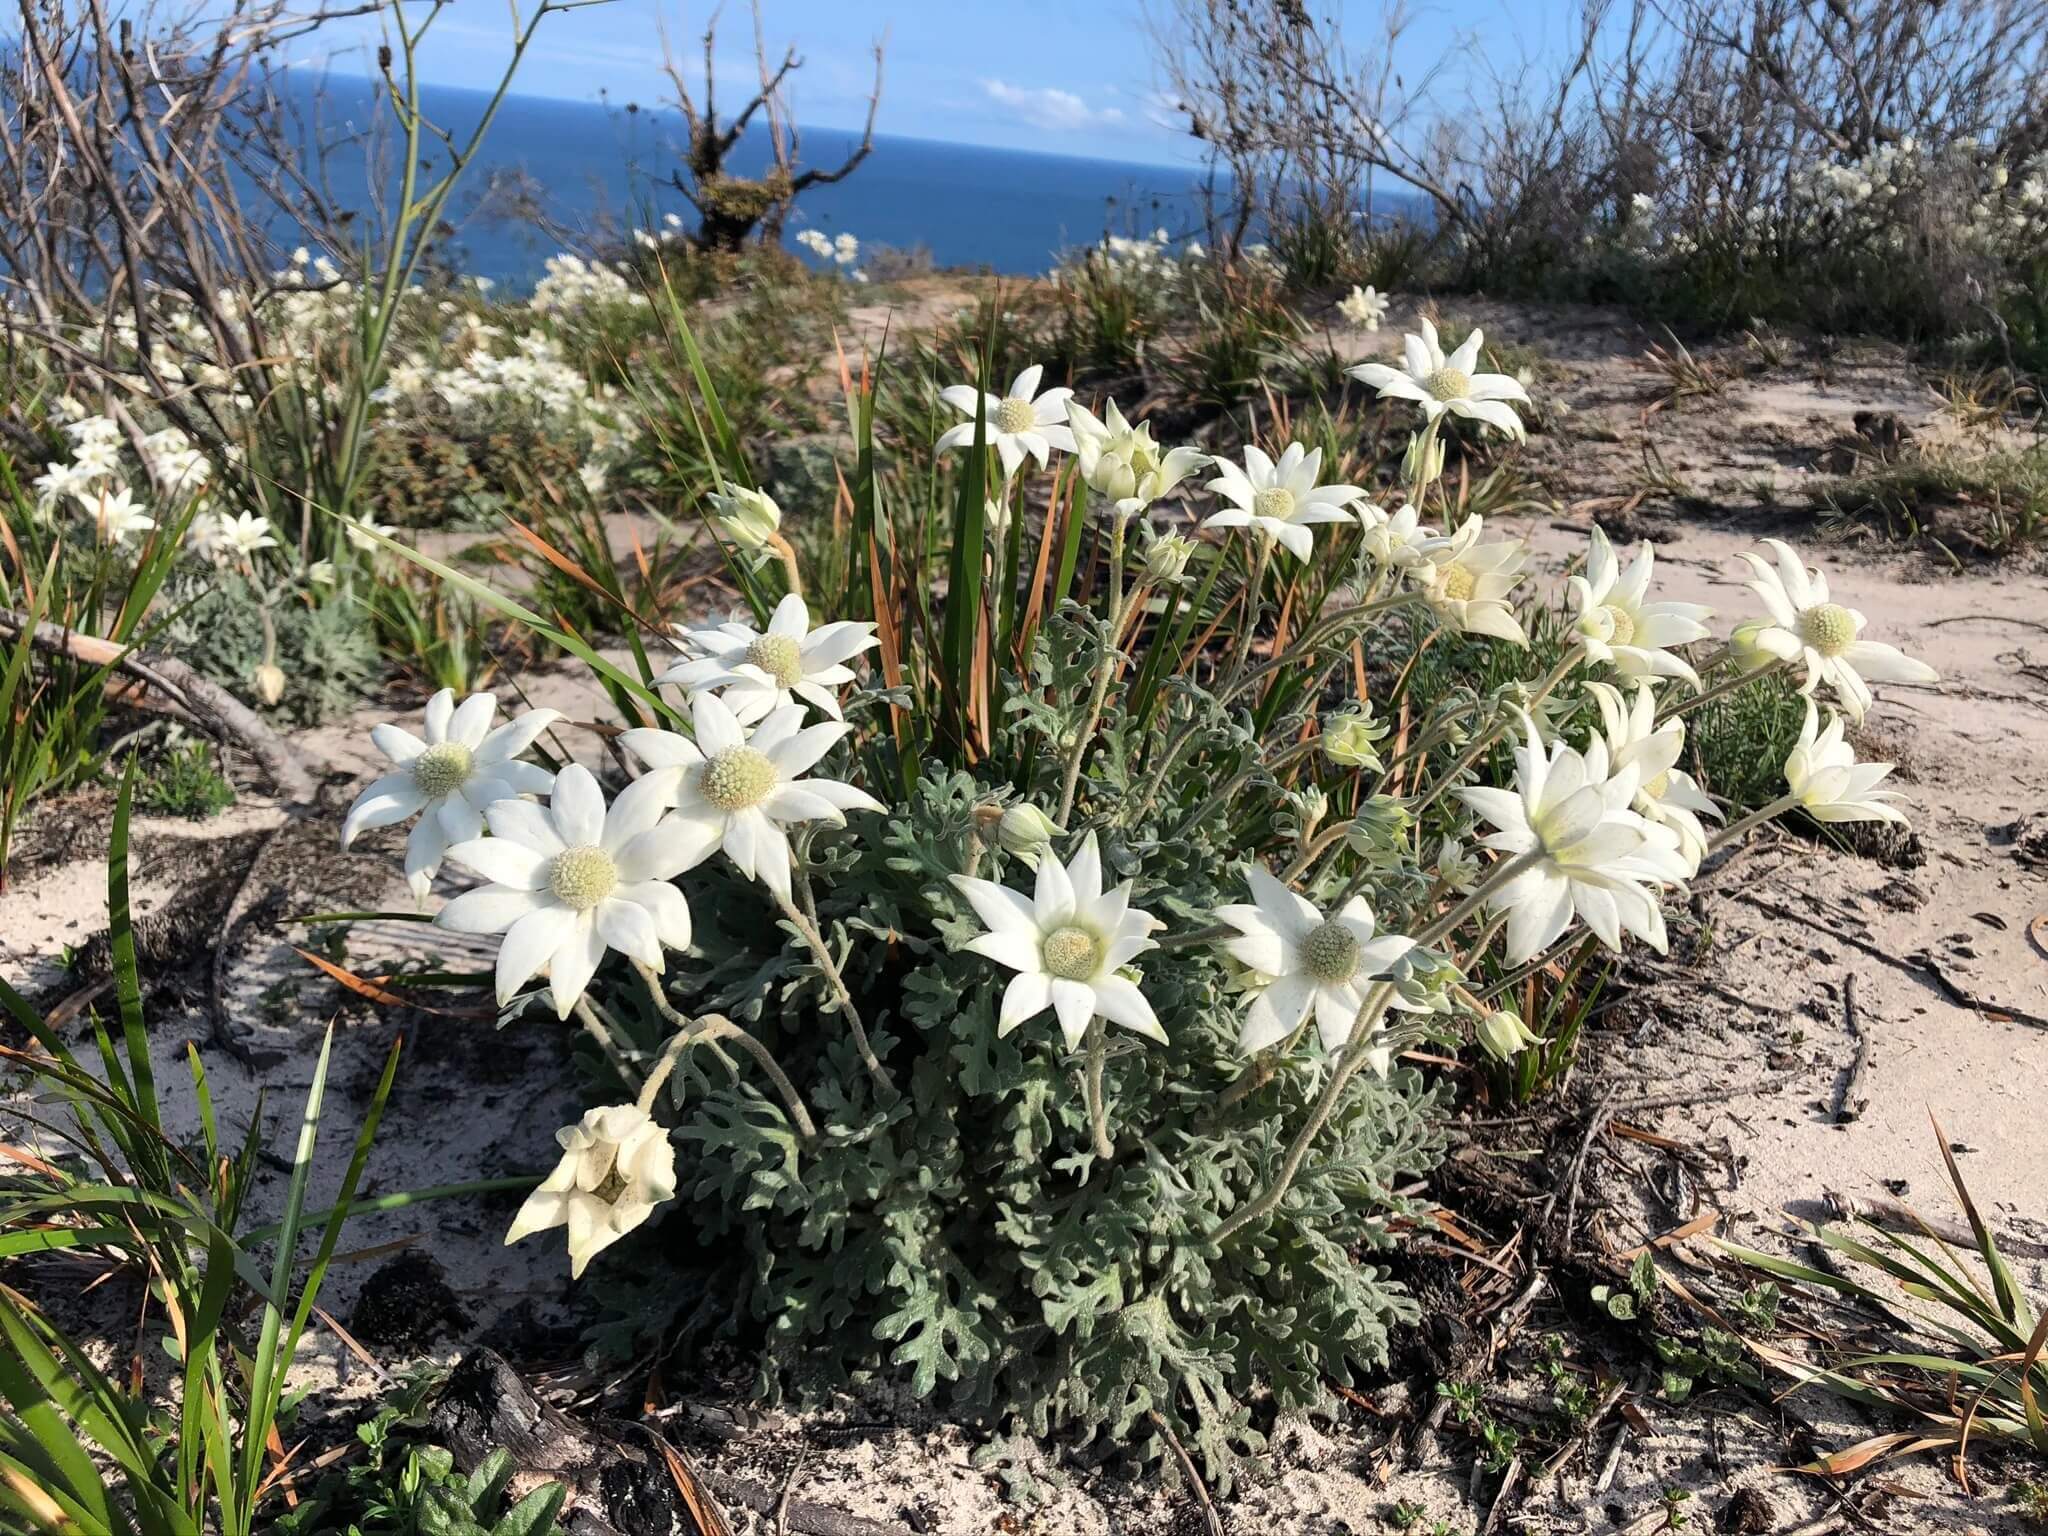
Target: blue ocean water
[{"x": 592, "y": 166}]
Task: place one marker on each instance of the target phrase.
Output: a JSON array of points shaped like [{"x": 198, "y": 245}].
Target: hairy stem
[
  {"x": 807, "y": 925},
  {"x": 1098, "y": 1112},
  {"x": 711, "y": 1027},
  {"x": 1105, "y": 669}
]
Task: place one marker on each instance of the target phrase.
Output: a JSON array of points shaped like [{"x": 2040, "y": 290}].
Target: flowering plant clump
[{"x": 1027, "y": 998}]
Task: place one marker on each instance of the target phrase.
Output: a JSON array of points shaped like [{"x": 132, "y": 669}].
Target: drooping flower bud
[
  {"x": 1424, "y": 460},
  {"x": 1025, "y": 831},
  {"x": 1351, "y": 739},
  {"x": 1503, "y": 1035},
  {"x": 269, "y": 681}
]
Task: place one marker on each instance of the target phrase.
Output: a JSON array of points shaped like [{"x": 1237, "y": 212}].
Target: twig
[
  {"x": 1570, "y": 1189},
  {"x": 1212, "y": 1521},
  {"x": 1571, "y": 1447},
  {"x": 1847, "y": 1106},
  {"x": 1613, "y": 1462},
  {"x": 804, "y": 1516},
  {"x": 788, "y": 1487},
  {"x": 1500, "y": 1499}
]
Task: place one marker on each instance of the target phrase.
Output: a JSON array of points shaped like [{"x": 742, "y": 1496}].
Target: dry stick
[
  {"x": 1847, "y": 1106},
  {"x": 716, "y": 1026},
  {"x": 1921, "y": 964},
  {"x": 1584, "y": 1437},
  {"x": 1602, "y": 1113},
  {"x": 1212, "y": 1521},
  {"x": 804, "y": 1515},
  {"x": 1500, "y": 1499},
  {"x": 216, "y": 710}
]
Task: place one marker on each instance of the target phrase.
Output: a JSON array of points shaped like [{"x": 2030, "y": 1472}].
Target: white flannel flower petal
[
  {"x": 1822, "y": 635},
  {"x": 1280, "y": 499},
  {"x": 1666, "y": 794},
  {"x": 739, "y": 793},
  {"x": 568, "y": 883},
  {"x": 1312, "y": 963},
  {"x": 1399, "y": 541},
  {"x": 756, "y": 671},
  {"x": 115, "y": 513},
  {"x": 1591, "y": 855},
  {"x": 1022, "y": 423},
  {"x": 1616, "y": 624},
  {"x": 1365, "y": 306},
  {"x": 1068, "y": 944},
  {"x": 450, "y": 779},
  {"x": 1828, "y": 781},
  {"x": 617, "y": 1166},
  {"x": 1467, "y": 583},
  {"x": 1438, "y": 383}
]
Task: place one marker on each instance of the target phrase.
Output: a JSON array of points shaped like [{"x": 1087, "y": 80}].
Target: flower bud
[
  {"x": 1743, "y": 647},
  {"x": 1166, "y": 559},
  {"x": 1503, "y": 1035},
  {"x": 748, "y": 518},
  {"x": 1455, "y": 866},
  {"x": 1350, "y": 739},
  {"x": 1424, "y": 460},
  {"x": 1379, "y": 833},
  {"x": 1315, "y": 805},
  {"x": 269, "y": 681},
  {"x": 1025, "y": 831}
]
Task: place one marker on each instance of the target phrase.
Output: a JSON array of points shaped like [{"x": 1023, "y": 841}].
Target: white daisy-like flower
[
  {"x": 1398, "y": 540},
  {"x": 617, "y": 1166},
  {"x": 1467, "y": 583},
  {"x": 1314, "y": 962},
  {"x": 1616, "y": 624},
  {"x": 1595, "y": 856},
  {"x": 1280, "y": 500},
  {"x": 572, "y": 879},
  {"x": 363, "y": 532},
  {"x": 1365, "y": 306},
  {"x": 1438, "y": 383},
  {"x": 1665, "y": 793},
  {"x": 756, "y": 671},
  {"x": 1828, "y": 781},
  {"x": 115, "y": 513},
  {"x": 1122, "y": 462},
  {"x": 1826, "y": 638},
  {"x": 450, "y": 779},
  {"x": 1068, "y": 943},
  {"x": 738, "y": 793},
  {"x": 242, "y": 534},
  {"x": 1019, "y": 423}
]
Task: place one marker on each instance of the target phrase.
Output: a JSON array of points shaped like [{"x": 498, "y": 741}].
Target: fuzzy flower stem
[
  {"x": 1105, "y": 669},
  {"x": 1355, "y": 1056},
  {"x": 1734, "y": 830},
  {"x": 594, "y": 1027},
  {"x": 1324, "y": 841},
  {"x": 1496, "y": 877},
  {"x": 1503, "y": 723},
  {"x": 806, "y": 924},
  {"x": 1227, "y": 790},
  {"x": 1098, "y": 1112},
  {"x": 1315, "y": 635},
  {"x": 790, "y": 568},
  {"x": 712, "y": 1027},
  {"x": 1723, "y": 688},
  {"x": 1254, "y": 604}
]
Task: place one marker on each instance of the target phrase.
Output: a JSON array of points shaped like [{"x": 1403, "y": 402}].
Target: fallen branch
[
  {"x": 180, "y": 687},
  {"x": 1847, "y": 1106}
]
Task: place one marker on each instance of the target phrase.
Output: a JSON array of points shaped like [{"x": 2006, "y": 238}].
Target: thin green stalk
[
  {"x": 1098, "y": 1112},
  {"x": 716, "y": 1026},
  {"x": 806, "y": 924},
  {"x": 1105, "y": 669}
]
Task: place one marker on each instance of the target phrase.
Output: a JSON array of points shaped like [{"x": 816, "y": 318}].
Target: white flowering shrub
[{"x": 1014, "y": 989}]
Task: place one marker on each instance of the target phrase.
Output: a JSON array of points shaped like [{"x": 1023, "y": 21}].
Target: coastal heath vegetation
[{"x": 1106, "y": 900}]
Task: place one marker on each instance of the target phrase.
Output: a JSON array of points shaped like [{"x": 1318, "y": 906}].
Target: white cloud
[{"x": 1049, "y": 107}]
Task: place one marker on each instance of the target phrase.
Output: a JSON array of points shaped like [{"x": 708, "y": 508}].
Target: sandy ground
[{"x": 1739, "y": 1061}]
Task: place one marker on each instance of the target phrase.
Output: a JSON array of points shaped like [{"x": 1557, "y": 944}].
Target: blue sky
[{"x": 1060, "y": 76}]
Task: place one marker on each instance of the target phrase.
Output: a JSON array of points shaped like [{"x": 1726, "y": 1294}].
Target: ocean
[{"x": 556, "y": 172}]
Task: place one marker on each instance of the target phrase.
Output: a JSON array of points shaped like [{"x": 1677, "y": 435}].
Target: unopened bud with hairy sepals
[
  {"x": 748, "y": 518},
  {"x": 1025, "y": 831},
  {"x": 1503, "y": 1035},
  {"x": 1351, "y": 739}
]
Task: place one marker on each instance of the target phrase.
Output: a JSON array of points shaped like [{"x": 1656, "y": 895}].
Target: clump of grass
[
  {"x": 185, "y": 781},
  {"x": 1988, "y": 501},
  {"x": 1962, "y": 1361}
]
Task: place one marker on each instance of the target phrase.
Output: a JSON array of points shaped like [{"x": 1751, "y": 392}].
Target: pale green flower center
[
  {"x": 1457, "y": 584},
  {"x": 1656, "y": 787},
  {"x": 1276, "y": 502},
  {"x": 613, "y": 1186},
  {"x": 1330, "y": 952},
  {"x": 1071, "y": 953},
  {"x": 582, "y": 877},
  {"x": 737, "y": 778},
  {"x": 443, "y": 769},
  {"x": 1622, "y": 623},
  {"x": 1449, "y": 384},
  {"x": 1014, "y": 415},
  {"x": 780, "y": 657},
  {"x": 1828, "y": 628}
]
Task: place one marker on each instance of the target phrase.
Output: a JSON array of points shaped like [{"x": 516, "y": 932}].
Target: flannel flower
[
  {"x": 1020, "y": 424},
  {"x": 1280, "y": 499},
  {"x": 1438, "y": 383},
  {"x": 1807, "y": 626},
  {"x": 1830, "y": 784},
  {"x": 756, "y": 671},
  {"x": 1324, "y": 965},
  {"x": 1616, "y": 624},
  {"x": 571, "y": 880},
  {"x": 1591, "y": 855},
  {"x": 617, "y": 1165},
  {"x": 739, "y": 793},
  {"x": 450, "y": 779},
  {"x": 1067, "y": 942}
]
